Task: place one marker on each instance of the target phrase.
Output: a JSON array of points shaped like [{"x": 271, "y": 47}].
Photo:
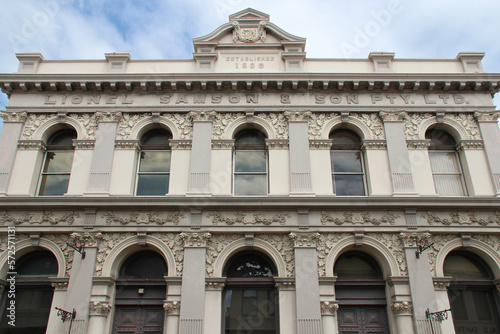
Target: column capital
[
  {"x": 107, "y": 116},
  {"x": 14, "y": 116},
  {"x": 172, "y": 307},
  {"x": 59, "y": 284},
  {"x": 215, "y": 284},
  {"x": 195, "y": 239},
  {"x": 329, "y": 307},
  {"x": 98, "y": 308},
  {"x": 397, "y": 116},
  {"x": 410, "y": 239},
  {"x": 301, "y": 240},
  {"x": 203, "y": 116},
  {"x": 402, "y": 308},
  {"x": 297, "y": 115}
]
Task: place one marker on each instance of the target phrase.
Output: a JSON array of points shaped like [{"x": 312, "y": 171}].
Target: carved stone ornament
[
  {"x": 304, "y": 239},
  {"x": 329, "y": 308},
  {"x": 463, "y": 218},
  {"x": 127, "y": 145},
  {"x": 181, "y": 144},
  {"x": 215, "y": 285},
  {"x": 107, "y": 116},
  {"x": 469, "y": 123},
  {"x": 88, "y": 239},
  {"x": 285, "y": 285},
  {"x": 402, "y": 308},
  {"x": 279, "y": 123},
  {"x": 84, "y": 144},
  {"x": 222, "y": 121},
  {"x": 195, "y": 239},
  {"x": 298, "y": 116},
  {"x": 98, "y": 308},
  {"x": 320, "y": 144},
  {"x": 223, "y": 144},
  {"x": 183, "y": 124},
  {"x": 239, "y": 218},
  {"x": 374, "y": 145},
  {"x": 418, "y": 144},
  {"x": 143, "y": 218},
  {"x": 393, "y": 116},
  {"x": 31, "y": 145},
  {"x": 89, "y": 121},
  {"x": 470, "y": 145},
  {"x": 277, "y": 144},
  {"x": 410, "y": 239},
  {"x": 441, "y": 284},
  {"x": 487, "y": 117},
  {"x": 249, "y": 35},
  {"x": 203, "y": 115},
  {"x": 38, "y": 217},
  {"x": 412, "y": 124},
  {"x": 60, "y": 286},
  {"x": 172, "y": 307},
  {"x": 216, "y": 244},
  {"x": 14, "y": 116},
  {"x": 359, "y": 218}
]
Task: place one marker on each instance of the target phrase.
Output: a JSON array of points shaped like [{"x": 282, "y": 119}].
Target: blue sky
[{"x": 86, "y": 29}]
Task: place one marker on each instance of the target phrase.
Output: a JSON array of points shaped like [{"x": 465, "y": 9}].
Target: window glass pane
[
  {"x": 40, "y": 264},
  {"x": 58, "y": 162},
  {"x": 345, "y": 138},
  {"x": 250, "y": 265},
  {"x": 144, "y": 264},
  {"x": 444, "y": 162},
  {"x": 250, "y": 138},
  {"x": 449, "y": 185},
  {"x": 250, "y": 185},
  {"x": 152, "y": 185},
  {"x": 62, "y": 137},
  {"x": 155, "y": 161},
  {"x": 54, "y": 185},
  {"x": 483, "y": 301},
  {"x": 457, "y": 304},
  {"x": 352, "y": 266},
  {"x": 156, "y": 137},
  {"x": 465, "y": 267},
  {"x": 346, "y": 161},
  {"x": 349, "y": 185},
  {"x": 250, "y": 161}
]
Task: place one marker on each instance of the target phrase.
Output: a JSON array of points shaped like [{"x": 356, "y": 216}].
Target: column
[
  {"x": 441, "y": 285},
  {"x": 377, "y": 169},
  {"x": 10, "y": 134},
  {"x": 300, "y": 160},
  {"x": 101, "y": 166},
  {"x": 328, "y": 314},
  {"x": 172, "y": 304},
  {"x": 124, "y": 169},
  {"x": 399, "y": 161},
  {"x": 475, "y": 168},
  {"x": 60, "y": 286},
  {"x": 179, "y": 166},
  {"x": 99, "y": 312},
  {"x": 193, "y": 283},
  {"x": 279, "y": 173},
  {"x": 418, "y": 150},
  {"x": 403, "y": 312},
  {"x": 491, "y": 137},
  {"x": 287, "y": 304},
  {"x": 321, "y": 177},
  {"x": 419, "y": 274},
  {"x": 80, "y": 167},
  {"x": 27, "y": 167},
  {"x": 221, "y": 178},
  {"x": 201, "y": 152},
  {"x": 213, "y": 305},
  {"x": 306, "y": 283}
]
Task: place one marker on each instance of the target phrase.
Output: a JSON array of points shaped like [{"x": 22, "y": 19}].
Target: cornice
[{"x": 21, "y": 82}]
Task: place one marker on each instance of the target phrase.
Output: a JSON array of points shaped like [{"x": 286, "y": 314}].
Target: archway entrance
[
  {"x": 360, "y": 290},
  {"x": 140, "y": 291},
  {"x": 250, "y": 300},
  {"x": 472, "y": 294},
  {"x": 33, "y": 294}
]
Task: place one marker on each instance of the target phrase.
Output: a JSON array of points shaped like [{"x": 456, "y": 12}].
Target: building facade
[{"x": 250, "y": 190}]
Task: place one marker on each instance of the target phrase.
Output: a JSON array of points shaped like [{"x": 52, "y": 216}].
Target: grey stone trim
[
  {"x": 127, "y": 144},
  {"x": 418, "y": 144},
  {"x": 470, "y": 145},
  {"x": 329, "y": 307},
  {"x": 277, "y": 144},
  {"x": 31, "y": 145},
  {"x": 374, "y": 145},
  {"x": 84, "y": 144},
  {"x": 223, "y": 144},
  {"x": 320, "y": 144},
  {"x": 180, "y": 144}
]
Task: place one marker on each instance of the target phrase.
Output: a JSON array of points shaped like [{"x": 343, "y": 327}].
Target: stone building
[{"x": 250, "y": 190}]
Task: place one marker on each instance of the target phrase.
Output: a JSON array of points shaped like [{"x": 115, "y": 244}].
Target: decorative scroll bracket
[
  {"x": 422, "y": 245},
  {"x": 437, "y": 316},
  {"x": 65, "y": 315},
  {"x": 79, "y": 246}
]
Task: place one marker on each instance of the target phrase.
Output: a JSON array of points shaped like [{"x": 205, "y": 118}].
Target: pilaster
[
  {"x": 491, "y": 137},
  {"x": 11, "y": 131}
]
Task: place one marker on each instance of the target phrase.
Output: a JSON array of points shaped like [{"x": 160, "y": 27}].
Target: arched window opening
[
  {"x": 153, "y": 176},
  {"x": 250, "y": 301},
  {"x": 360, "y": 291},
  {"x": 445, "y": 164},
  {"x": 472, "y": 293},
  {"x": 250, "y": 163},
  {"x": 58, "y": 160},
  {"x": 140, "y": 291},
  {"x": 33, "y": 294},
  {"x": 347, "y": 165}
]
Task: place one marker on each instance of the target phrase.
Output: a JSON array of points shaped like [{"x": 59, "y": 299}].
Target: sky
[{"x": 155, "y": 29}]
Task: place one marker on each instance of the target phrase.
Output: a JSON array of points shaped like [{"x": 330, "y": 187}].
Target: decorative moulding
[
  {"x": 28, "y": 62},
  {"x": 471, "y": 61},
  {"x": 382, "y": 61},
  {"x": 117, "y": 61}
]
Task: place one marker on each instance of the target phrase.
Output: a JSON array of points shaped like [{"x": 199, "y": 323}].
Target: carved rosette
[
  {"x": 222, "y": 144},
  {"x": 100, "y": 309},
  {"x": 195, "y": 239},
  {"x": 108, "y": 116},
  {"x": 127, "y": 145},
  {"x": 487, "y": 117},
  {"x": 14, "y": 116},
  {"x": 304, "y": 239},
  {"x": 418, "y": 144},
  {"x": 320, "y": 144},
  {"x": 329, "y": 307},
  {"x": 172, "y": 307},
  {"x": 31, "y": 145},
  {"x": 277, "y": 144},
  {"x": 402, "y": 308},
  {"x": 393, "y": 116}
]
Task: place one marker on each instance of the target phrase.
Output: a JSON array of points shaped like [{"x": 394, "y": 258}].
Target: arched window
[
  {"x": 57, "y": 163},
  {"x": 348, "y": 172},
  {"x": 153, "y": 174},
  {"x": 140, "y": 291},
  {"x": 250, "y": 300},
  {"x": 250, "y": 164},
  {"x": 472, "y": 294},
  {"x": 33, "y": 294},
  {"x": 360, "y": 291},
  {"x": 445, "y": 165}
]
